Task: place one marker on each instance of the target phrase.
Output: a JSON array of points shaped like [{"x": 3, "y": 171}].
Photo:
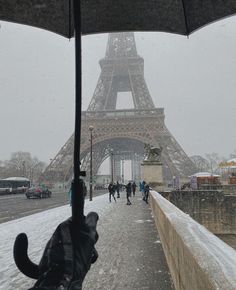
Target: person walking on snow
[
  {"x": 143, "y": 188},
  {"x": 128, "y": 193},
  {"x": 134, "y": 188},
  {"x": 111, "y": 189},
  {"x": 118, "y": 189},
  {"x": 146, "y": 192}
]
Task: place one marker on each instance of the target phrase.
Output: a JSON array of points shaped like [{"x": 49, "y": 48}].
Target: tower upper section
[{"x": 121, "y": 45}]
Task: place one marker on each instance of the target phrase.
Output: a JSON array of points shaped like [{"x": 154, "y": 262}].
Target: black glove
[{"x": 68, "y": 255}]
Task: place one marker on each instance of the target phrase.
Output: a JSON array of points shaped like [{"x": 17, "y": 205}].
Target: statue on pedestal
[
  {"x": 153, "y": 153},
  {"x": 152, "y": 166}
]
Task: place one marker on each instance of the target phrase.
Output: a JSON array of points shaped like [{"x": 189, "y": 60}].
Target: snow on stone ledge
[{"x": 212, "y": 254}]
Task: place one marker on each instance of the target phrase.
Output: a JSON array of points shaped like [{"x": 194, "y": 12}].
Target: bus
[{"x": 14, "y": 185}]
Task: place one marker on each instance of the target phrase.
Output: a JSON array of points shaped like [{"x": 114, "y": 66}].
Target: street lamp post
[{"x": 91, "y": 164}]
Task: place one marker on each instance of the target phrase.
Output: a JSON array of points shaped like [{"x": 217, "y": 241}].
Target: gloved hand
[{"x": 67, "y": 257}]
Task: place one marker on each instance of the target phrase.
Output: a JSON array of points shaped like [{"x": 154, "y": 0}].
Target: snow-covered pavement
[
  {"x": 39, "y": 228},
  {"x": 130, "y": 252}
]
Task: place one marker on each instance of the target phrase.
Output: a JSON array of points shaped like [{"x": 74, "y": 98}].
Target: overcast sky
[{"x": 193, "y": 79}]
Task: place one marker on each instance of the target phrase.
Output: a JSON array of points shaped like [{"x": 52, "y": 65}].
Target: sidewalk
[{"x": 130, "y": 252}]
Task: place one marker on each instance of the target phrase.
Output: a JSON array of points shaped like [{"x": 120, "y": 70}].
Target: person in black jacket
[
  {"x": 118, "y": 189},
  {"x": 146, "y": 192},
  {"x": 134, "y": 188},
  {"x": 128, "y": 192},
  {"x": 111, "y": 189}
]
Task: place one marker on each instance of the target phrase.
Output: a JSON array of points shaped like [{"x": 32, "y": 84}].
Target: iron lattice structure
[{"x": 123, "y": 131}]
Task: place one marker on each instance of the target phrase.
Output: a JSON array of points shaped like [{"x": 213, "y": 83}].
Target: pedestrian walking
[
  {"x": 134, "y": 188},
  {"x": 128, "y": 193},
  {"x": 146, "y": 192},
  {"x": 118, "y": 189},
  {"x": 111, "y": 190},
  {"x": 140, "y": 186},
  {"x": 143, "y": 183}
]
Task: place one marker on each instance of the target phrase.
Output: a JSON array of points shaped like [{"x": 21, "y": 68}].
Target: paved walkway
[{"x": 130, "y": 252}]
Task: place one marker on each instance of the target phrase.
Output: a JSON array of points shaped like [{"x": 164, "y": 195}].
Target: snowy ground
[
  {"x": 130, "y": 253},
  {"x": 39, "y": 228}
]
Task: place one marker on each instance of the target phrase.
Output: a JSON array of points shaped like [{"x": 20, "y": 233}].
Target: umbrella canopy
[
  {"x": 175, "y": 16},
  {"x": 52, "y": 15}
]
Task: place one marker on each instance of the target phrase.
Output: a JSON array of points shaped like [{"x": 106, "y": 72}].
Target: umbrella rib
[
  {"x": 185, "y": 18},
  {"x": 69, "y": 18}
]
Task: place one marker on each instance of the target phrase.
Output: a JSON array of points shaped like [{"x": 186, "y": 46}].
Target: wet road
[{"x": 17, "y": 205}]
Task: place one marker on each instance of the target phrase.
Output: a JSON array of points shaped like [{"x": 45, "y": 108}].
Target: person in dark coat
[
  {"x": 146, "y": 192},
  {"x": 134, "y": 188},
  {"x": 143, "y": 189},
  {"x": 128, "y": 192},
  {"x": 118, "y": 189},
  {"x": 111, "y": 189},
  {"x": 140, "y": 186}
]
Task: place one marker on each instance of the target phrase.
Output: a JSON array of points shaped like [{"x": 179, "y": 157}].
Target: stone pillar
[
  {"x": 152, "y": 173},
  {"x": 135, "y": 165},
  {"x": 117, "y": 168}
]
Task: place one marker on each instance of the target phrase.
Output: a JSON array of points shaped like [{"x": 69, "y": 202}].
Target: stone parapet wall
[
  {"x": 197, "y": 259},
  {"x": 213, "y": 209}
]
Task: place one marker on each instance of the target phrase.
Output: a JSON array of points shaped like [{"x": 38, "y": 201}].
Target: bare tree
[
  {"x": 201, "y": 163},
  {"x": 22, "y": 164},
  {"x": 35, "y": 169},
  {"x": 214, "y": 160},
  {"x": 233, "y": 155},
  {"x": 19, "y": 162}
]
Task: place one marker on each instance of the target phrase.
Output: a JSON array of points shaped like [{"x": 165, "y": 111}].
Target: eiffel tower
[{"x": 122, "y": 132}]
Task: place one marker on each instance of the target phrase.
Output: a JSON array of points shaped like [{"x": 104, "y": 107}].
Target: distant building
[
  {"x": 205, "y": 181},
  {"x": 227, "y": 170},
  {"x": 102, "y": 179}
]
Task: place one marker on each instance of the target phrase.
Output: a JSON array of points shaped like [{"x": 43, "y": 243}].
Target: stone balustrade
[
  {"x": 197, "y": 259},
  {"x": 211, "y": 208}
]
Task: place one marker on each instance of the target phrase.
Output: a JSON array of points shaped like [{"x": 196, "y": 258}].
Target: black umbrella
[
  {"x": 69, "y": 17},
  {"x": 92, "y": 16},
  {"x": 96, "y": 16},
  {"x": 175, "y": 16}
]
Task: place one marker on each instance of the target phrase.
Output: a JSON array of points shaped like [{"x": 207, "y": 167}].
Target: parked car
[{"x": 38, "y": 192}]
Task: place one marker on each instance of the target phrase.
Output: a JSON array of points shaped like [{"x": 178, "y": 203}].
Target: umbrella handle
[{"x": 20, "y": 253}]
